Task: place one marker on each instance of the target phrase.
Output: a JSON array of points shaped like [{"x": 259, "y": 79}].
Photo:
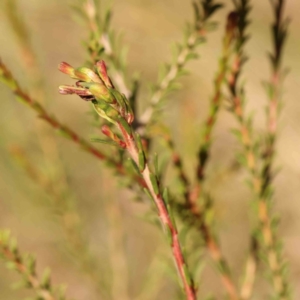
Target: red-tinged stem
[{"x": 164, "y": 216}]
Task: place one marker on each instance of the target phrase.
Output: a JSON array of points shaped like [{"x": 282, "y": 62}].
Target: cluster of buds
[{"x": 96, "y": 86}]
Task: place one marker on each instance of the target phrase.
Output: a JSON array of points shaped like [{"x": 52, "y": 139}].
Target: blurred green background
[{"x": 130, "y": 251}]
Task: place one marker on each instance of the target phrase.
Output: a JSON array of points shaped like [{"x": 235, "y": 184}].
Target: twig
[
  {"x": 55, "y": 186},
  {"x": 170, "y": 77},
  {"x": 250, "y": 271},
  {"x": 269, "y": 234},
  {"x": 115, "y": 108},
  {"x": 102, "y": 37},
  {"x": 30, "y": 64},
  {"x": 178, "y": 164},
  {"x": 279, "y": 35},
  {"x": 250, "y": 274},
  {"x": 205, "y": 146},
  {"x": 210, "y": 240},
  {"x": 26, "y": 267},
  {"x": 195, "y": 37},
  {"x": 261, "y": 181},
  {"x": 165, "y": 218},
  {"x": 69, "y": 220},
  {"x": 197, "y": 220}
]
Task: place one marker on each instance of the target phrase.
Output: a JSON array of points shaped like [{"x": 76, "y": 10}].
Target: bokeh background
[{"x": 131, "y": 252}]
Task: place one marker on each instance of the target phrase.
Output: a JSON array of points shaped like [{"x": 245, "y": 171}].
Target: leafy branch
[
  {"x": 113, "y": 106},
  {"x": 215, "y": 102},
  {"x": 55, "y": 187},
  {"x": 261, "y": 179},
  {"x": 70, "y": 221},
  {"x": 26, "y": 266},
  {"x": 195, "y": 36},
  {"x": 102, "y": 40}
]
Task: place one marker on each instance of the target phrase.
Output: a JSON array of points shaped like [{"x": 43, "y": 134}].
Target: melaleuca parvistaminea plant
[
  {"x": 108, "y": 102},
  {"x": 113, "y": 106}
]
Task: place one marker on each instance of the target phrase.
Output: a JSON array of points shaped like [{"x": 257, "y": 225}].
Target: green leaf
[
  {"x": 154, "y": 183},
  {"x": 103, "y": 141}
]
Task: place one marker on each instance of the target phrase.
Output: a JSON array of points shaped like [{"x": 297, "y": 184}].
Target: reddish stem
[{"x": 163, "y": 215}]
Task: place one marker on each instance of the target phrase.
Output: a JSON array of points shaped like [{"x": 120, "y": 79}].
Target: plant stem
[
  {"x": 205, "y": 147},
  {"x": 69, "y": 220},
  {"x": 263, "y": 203},
  {"x": 178, "y": 164},
  {"x": 197, "y": 219},
  {"x": 195, "y": 37},
  {"x": 37, "y": 88},
  {"x": 210, "y": 240},
  {"x": 250, "y": 271},
  {"x": 249, "y": 279},
  {"x": 43, "y": 291},
  {"x": 166, "y": 82},
  {"x": 163, "y": 213},
  {"x": 101, "y": 33},
  {"x": 118, "y": 76},
  {"x": 6, "y": 76},
  {"x": 56, "y": 186},
  {"x": 261, "y": 181}
]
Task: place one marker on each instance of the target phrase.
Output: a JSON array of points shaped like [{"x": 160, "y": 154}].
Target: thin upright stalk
[
  {"x": 263, "y": 206},
  {"x": 69, "y": 220},
  {"x": 197, "y": 220},
  {"x": 250, "y": 272},
  {"x": 205, "y": 146},
  {"x": 169, "y": 78},
  {"x": 204, "y": 11},
  {"x": 55, "y": 185},
  {"x": 100, "y": 33},
  {"x": 37, "y": 89},
  {"x": 249, "y": 278},
  {"x": 26, "y": 267},
  {"x": 178, "y": 164},
  {"x": 269, "y": 232},
  {"x": 261, "y": 180}
]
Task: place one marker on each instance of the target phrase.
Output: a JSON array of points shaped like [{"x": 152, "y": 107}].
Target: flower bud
[
  {"x": 102, "y": 71},
  {"x": 69, "y": 90},
  {"x": 67, "y": 69},
  {"x": 106, "y": 111},
  {"x": 108, "y": 132},
  {"x": 87, "y": 75},
  {"x": 101, "y": 92}
]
